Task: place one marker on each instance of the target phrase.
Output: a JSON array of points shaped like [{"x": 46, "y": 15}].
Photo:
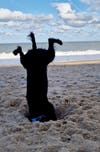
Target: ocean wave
[
  {"x": 5, "y": 55},
  {"x": 75, "y": 53},
  {"x": 10, "y": 55}
]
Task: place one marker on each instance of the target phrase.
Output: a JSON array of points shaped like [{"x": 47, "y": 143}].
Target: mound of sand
[{"x": 75, "y": 92}]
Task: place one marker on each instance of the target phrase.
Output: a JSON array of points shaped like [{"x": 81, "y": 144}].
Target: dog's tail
[{"x": 32, "y": 36}]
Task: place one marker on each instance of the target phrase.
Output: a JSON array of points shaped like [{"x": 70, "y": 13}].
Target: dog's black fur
[{"x": 35, "y": 61}]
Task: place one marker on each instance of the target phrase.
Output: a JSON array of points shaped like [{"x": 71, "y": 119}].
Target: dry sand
[{"x": 75, "y": 92}]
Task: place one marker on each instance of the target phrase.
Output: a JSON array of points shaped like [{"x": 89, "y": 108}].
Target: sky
[{"x": 69, "y": 20}]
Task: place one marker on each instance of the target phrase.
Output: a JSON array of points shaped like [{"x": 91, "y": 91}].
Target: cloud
[
  {"x": 70, "y": 16},
  {"x": 85, "y": 1},
  {"x": 17, "y": 24},
  {"x": 2, "y": 32},
  {"x": 6, "y": 15},
  {"x": 80, "y": 19},
  {"x": 65, "y": 10},
  {"x": 21, "y": 21},
  {"x": 94, "y": 5}
]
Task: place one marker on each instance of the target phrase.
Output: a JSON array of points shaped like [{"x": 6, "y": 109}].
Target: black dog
[{"x": 35, "y": 61}]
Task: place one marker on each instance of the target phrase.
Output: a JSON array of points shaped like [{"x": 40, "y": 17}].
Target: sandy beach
[{"x": 74, "y": 90}]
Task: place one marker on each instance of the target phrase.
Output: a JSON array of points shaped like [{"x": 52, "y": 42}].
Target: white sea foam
[
  {"x": 75, "y": 53},
  {"x": 5, "y": 55}
]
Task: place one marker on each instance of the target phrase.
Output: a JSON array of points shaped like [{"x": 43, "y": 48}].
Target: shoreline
[
  {"x": 77, "y": 62},
  {"x": 61, "y": 63}
]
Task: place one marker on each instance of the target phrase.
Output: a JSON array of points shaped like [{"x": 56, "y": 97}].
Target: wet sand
[{"x": 74, "y": 89}]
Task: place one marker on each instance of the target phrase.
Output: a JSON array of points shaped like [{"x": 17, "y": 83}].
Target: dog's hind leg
[
  {"x": 51, "y": 42},
  {"x": 51, "y": 50}
]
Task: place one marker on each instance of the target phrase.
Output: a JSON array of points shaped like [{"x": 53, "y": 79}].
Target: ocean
[{"x": 69, "y": 51}]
